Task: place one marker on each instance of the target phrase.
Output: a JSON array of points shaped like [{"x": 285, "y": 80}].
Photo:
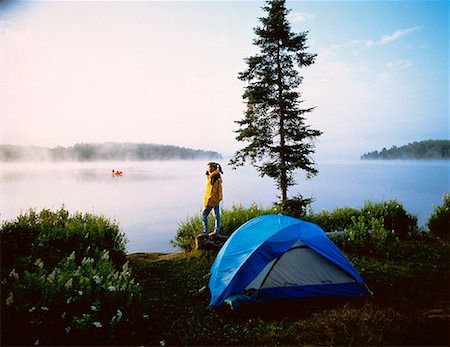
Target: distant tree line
[
  {"x": 422, "y": 150},
  {"x": 103, "y": 152}
]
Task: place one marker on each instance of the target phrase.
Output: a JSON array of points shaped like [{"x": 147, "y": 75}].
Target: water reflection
[{"x": 67, "y": 171}]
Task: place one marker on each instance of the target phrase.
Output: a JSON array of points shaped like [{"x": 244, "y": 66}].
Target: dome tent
[{"x": 276, "y": 256}]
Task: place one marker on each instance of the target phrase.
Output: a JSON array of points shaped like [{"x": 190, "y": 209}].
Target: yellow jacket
[{"x": 213, "y": 192}]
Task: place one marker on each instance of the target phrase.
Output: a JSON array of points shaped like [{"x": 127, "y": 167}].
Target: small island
[
  {"x": 422, "y": 150},
  {"x": 108, "y": 151}
]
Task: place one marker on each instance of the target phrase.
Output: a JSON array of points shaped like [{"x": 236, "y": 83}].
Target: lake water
[{"x": 151, "y": 198}]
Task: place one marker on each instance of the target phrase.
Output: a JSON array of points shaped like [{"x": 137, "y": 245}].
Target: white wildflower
[
  {"x": 112, "y": 288},
  {"x": 39, "y": 263},
  {"x": 93, "y": 308},
  {"x": 69, "y": 283},
  {"x": 67, "y": 330},
  {"x": 145, "y": 316},
  {"x": 97, "y": 324},
  {"x": 13, "y": 274},
  {"x": 64, "y": 315},
  {"x": 10, "y": 299},
  {"x": 97, "y": 279},
  {"x": 32, "y": 309},
  {"x": 162, "y": 343},
  {"x": 36, "y": 343},
  {"x": 72, "y": 256},
  {"x": 80, "y": 292},
  {"x": 105, "y": 255},
  {"x": 86, "y": 261},
  {"x": 45, "y": 308},
  {"x": 119, "y": 314}
]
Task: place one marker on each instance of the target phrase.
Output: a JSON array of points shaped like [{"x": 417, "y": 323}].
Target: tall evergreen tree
[{"x": 278, "y": 140}]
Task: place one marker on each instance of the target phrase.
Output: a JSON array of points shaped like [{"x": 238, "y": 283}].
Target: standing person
[{"x": 213, "y": 196}]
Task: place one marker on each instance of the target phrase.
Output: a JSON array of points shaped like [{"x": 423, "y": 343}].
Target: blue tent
[{"x": 276, "y": 256}]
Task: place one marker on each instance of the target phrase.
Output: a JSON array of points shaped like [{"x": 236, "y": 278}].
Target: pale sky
[{"x": 166, "y": 72}]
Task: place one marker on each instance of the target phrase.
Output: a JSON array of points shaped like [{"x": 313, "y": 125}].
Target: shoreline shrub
[
  {"x": 52, "y": 236},
  {"x": 337, "y": 220},
  {"x": 297, "y": 206},
  {"x": 365, "y": 236},
  {"x": 65, "y": 280},
  {"x": 390, "y": 213},
  {"x": 231, "y": 219},
  {"x": 439, "y": 221},
  {"x": 394, "y": 217},
  {"x": 386, "y": 220}
]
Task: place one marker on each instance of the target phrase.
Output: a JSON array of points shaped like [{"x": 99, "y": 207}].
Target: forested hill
[
  {"x": 103, "y": 152},
  {"x": 423, "y": 150}
]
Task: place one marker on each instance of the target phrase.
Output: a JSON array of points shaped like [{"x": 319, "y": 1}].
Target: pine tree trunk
[
  {"x": 283, "y": 194},
  {"x": 283, "y": 176}
]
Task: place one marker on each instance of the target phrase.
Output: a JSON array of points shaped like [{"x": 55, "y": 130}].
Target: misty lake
[{"x": 151, "y": 198}]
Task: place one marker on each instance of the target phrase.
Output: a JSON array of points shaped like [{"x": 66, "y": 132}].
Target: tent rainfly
[{"x": 276, "y": 256}]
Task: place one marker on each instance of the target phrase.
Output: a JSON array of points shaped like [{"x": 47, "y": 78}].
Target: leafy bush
[
  {"x": 439, "y": 221},
  {"x": 230, "y": 221},
  {"x": 394, "y": 216},
  {"x": 376, "y": 227},
  {"x": 69, "y": 303},
  {"x": 64, "y": 280},
  {"x": 296, "y": 206},
  {"x": 52, "y": 236},
  {"x": 366, "y": 235},
  {"x": 391, "y": 214},
  {"x": 337, "y": 220}
]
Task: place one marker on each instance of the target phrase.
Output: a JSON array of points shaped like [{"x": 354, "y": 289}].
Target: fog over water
[{"x": 151, "y": 198}]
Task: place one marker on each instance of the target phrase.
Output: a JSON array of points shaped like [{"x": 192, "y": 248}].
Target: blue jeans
[{"x": 205, "y": 215}]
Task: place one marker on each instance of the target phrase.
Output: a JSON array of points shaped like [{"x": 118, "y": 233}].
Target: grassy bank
[
  {"x": 66, "y": 280},
  {"x": 410, "y": 306}
]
